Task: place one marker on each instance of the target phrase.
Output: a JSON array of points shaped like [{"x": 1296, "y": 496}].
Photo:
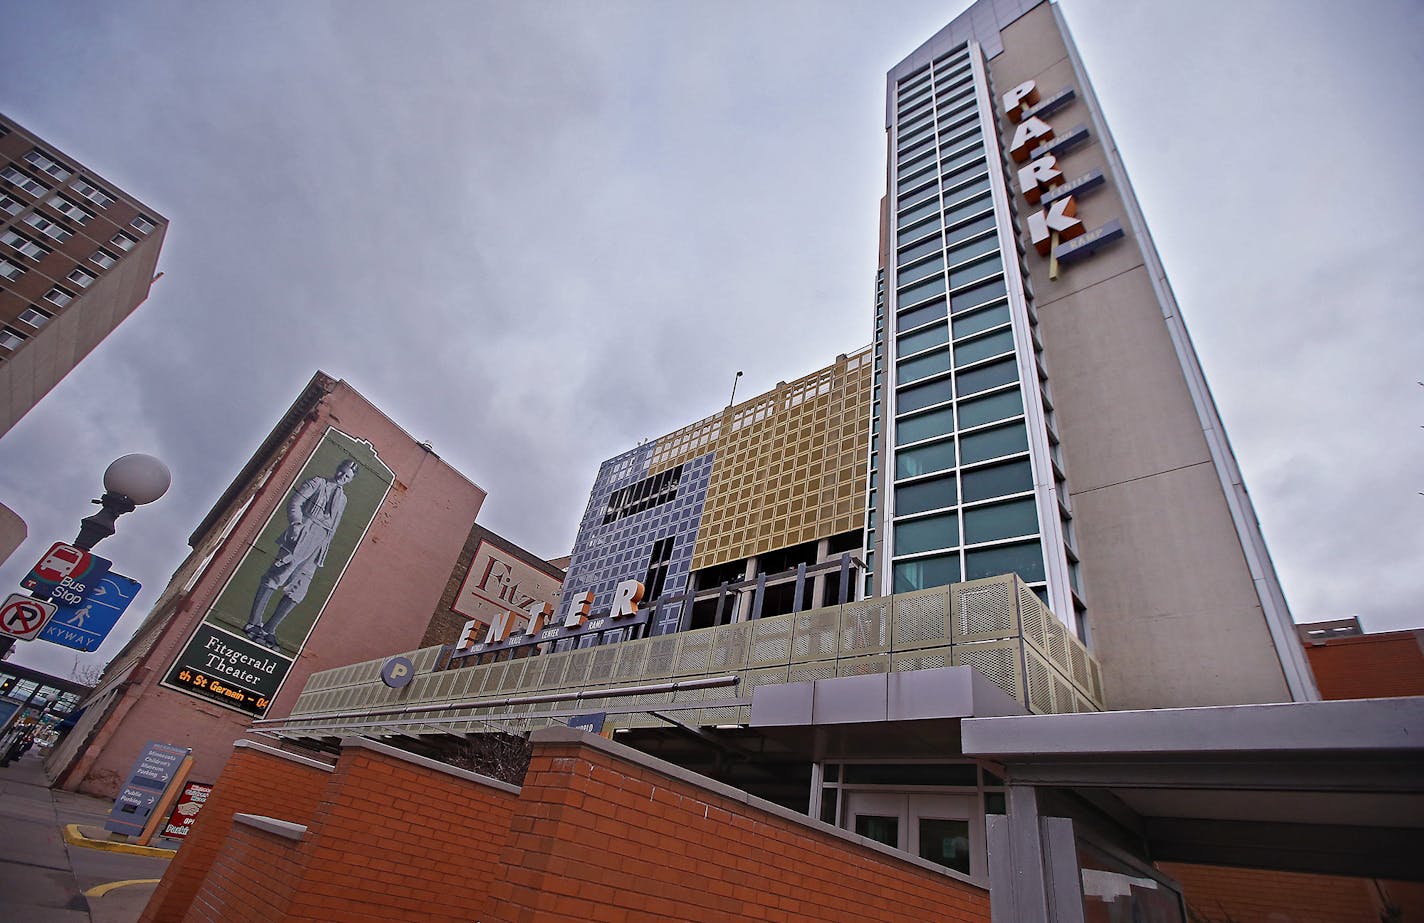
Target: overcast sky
[{"x": 537, "y": 233}]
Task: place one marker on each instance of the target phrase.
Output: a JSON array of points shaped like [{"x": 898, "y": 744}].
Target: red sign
[
  {"x": 195, "y": 795},
  {"x": 61, "y": 561}
]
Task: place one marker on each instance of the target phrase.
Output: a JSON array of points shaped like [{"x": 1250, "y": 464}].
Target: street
[{"x": 41, "y": 878}]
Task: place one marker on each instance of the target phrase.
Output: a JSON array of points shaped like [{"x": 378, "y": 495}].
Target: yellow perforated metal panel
[{"x": 790, "y": 464}]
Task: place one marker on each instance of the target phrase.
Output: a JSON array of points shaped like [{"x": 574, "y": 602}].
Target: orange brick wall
[
  {"x": 425, "y": 844},
  {"x": 252, "y": 879},
  {"x": 1374, "y": 666},
  {"x": 253, "y": 781},
  {"x": 1256, "y": 896},
  {"x": 598, "y": 837}
]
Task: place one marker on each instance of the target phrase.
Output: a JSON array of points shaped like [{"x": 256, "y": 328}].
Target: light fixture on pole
[
  {"x": 735, "y": 379},
  {"x": 130, "y": 482}
]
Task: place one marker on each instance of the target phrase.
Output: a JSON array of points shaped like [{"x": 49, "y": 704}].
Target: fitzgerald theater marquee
[{"x": 241, "y": 652}]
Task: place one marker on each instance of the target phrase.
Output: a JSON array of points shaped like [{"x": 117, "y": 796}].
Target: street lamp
[{"x": 130, "y": 482}]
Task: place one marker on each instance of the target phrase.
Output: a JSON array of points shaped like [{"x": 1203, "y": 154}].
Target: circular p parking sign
[{"x": 23, "y": 617}]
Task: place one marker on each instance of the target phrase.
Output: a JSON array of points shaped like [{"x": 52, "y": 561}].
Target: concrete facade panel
[{"x": 1175, "y": 618}]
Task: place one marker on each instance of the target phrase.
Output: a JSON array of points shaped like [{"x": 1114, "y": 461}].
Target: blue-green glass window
[
  {"x": 924, "y": 339},
  {"x": 920, "y": 271},
  {"x": 1001, "y": 520},
  {"x": 959, "y": 136},
  {"x": 919, "y": 396},
  {"x": 977, "y": 226},
  {"x": 928, "y": 193},
  {"x": 923, "y": 426},
  {"x": 928, "y": 534},
  {"x": 916, "y": 214},
  {"x": 988, "y": 376},
  {"x": 1026, "y": 560},
  {"x": 989, "y": 243},
  {"x": 906, "y": 141},
  {"x": 948, "y": 123},
  {"x": 926, "y": 572},
  {"x": 924, "y": 459},
  {"x": 970, "y": 324},
  {"x": 921, "y": 367},
  {"x": 992, "y": 345},
  {"x": 915, "y": 150},
  {"x": 921, "y": 315},
  {"x": 930, "y": 245},
  {"x": 982, "y": 410},
  {"x": 966, "y": 190},
  {"x": 996, "y": 481},
  {"x": 923, "y": 496},
  {"x": 914, "y": 181},
  {"x": 985, "y": 291},
  {"x": 992, "y": 443},
  {"x": 962, "y": 159},
  {"x": 974, "y": 271},
  {"x": 913, "y": 164},
  {"x": 919, "y": 230},
  {"x": 973, "y": 167},
  {"x": 968, "y": 209},
  {"x": 921, "y": 291},
  {"x": 916, "y": 122}
]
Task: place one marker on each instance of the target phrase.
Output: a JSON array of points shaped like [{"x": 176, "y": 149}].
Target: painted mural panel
[{"x": 241, "y": 652}]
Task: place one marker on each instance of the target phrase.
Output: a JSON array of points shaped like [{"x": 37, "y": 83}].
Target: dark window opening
[{"x": 643, "y": 495}]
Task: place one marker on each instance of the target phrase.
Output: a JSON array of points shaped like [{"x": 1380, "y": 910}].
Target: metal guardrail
[{"x": 996, "y": 625}]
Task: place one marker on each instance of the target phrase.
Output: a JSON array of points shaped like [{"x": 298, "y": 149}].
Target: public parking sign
[{"x": 23, "y": 617}]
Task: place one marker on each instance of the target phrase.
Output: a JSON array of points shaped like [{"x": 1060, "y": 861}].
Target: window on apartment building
[
  {"x": 11, "y": 339},
  {"x": 58, "y": 296},
  {"x": 41, "y": 161},
  {"x": 143, "y": 224},
  {"x": 81, "y": 277},
  {"x": 10, "y": 271},
  {"x": 93, "y": 193},
  {"x": 103, "y": 259},
  {"x": 23, "y": 244},
  {"x": 24, "y": 181},
  {"x": 51, "y": 229},
  {"x": 123, "y": 241},
  {"x": 34, "y": 317},
  {"x": 11, "y": 205},
  {"x": 68, "y": 209}
]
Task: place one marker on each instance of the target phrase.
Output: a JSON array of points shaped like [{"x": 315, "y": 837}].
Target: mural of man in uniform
[{"x": 313, "y": 515}]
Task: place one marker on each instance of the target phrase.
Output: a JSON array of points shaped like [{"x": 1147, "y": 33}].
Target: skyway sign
[{"x": 85, "y": 626}]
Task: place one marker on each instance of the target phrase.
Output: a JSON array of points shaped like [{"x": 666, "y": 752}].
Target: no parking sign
[{"x": 23, "y": 617}]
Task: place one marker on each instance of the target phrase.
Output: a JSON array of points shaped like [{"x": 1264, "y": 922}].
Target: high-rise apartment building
[
  {"x": 1039, "y": 407},
  {"x": 77, "y": 256}
]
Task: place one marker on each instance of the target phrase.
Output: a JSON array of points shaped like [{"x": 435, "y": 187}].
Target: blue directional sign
[{"x": 85, "y": 626}]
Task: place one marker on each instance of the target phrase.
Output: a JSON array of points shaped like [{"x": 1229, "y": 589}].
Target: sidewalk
[{"x": 41, "y": 879}]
